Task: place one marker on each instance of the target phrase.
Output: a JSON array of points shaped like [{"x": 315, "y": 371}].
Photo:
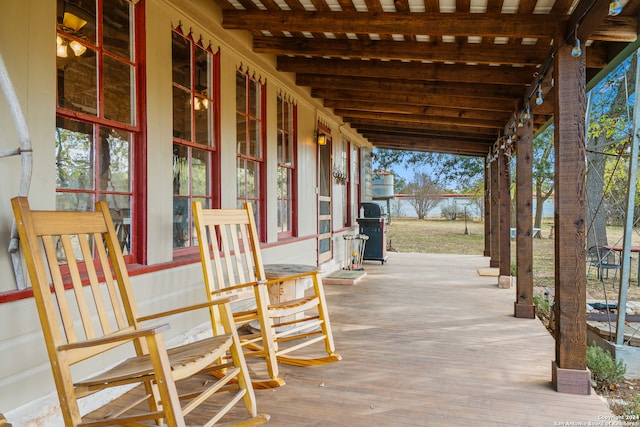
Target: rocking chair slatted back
[
  {"x": 75, "y": 248},
  {"x": 232, "y": 264}
]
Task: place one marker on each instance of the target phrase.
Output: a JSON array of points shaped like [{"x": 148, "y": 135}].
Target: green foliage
[
  {"x": 543, "y": 306},
  {"x": 451, "y": 212},
  {"x": 632, "y": 409},
  {"x": 605, "y": 371}
]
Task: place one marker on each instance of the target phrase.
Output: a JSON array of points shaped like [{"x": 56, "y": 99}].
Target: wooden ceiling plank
[
  {"x": 420, "y": 99},
  {"x": 424, "y": 23},
  {"x": 617, "y": 29},
  {"x": 417, "y": 118},
  {"x": 410, "y": 50},
  {"x": 433, "y": 145},
  {"x": 409, "y": 70},
  {"x": 429, "y": 128},
  {"x": 401, "y": 86},
  {"x": 403, "y": 108}
]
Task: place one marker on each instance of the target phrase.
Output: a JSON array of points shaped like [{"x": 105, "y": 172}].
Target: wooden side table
[{"x": 287, "y": 289}]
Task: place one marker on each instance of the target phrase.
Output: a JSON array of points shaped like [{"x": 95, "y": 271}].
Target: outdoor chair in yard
[
  {"x": 88, "y": 322},
  {"x": 603, "y": 259},
  {"x": 232, "y": 265}
]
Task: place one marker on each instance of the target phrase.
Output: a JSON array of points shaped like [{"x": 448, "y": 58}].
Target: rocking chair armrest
[
  {"x": 207, "y": 304},
  {"x": 236, "y": 287},
  {"x": 127, "y": 335}
]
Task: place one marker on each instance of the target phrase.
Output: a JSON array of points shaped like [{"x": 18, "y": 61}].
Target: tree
[
  {"x": 542, "y": 172},
  {"x": 608, "y": 131},
  {"x": 425, "y": 194}
]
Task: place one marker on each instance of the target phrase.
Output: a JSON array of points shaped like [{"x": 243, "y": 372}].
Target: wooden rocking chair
[
  {"x": 232, "y": 265},
  {"x": 82, "y": 322}
]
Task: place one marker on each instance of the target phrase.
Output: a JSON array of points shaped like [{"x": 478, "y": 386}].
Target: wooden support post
[
  {"x": 487, "y": 209},
  {"x": 504, "y": 185},
  {"x": 494, "y": 233},
  {"x": 569, "y": 370},
  {"x": 523, "y": 306}
]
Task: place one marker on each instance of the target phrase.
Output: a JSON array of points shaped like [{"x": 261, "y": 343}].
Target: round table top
[{"x": 273, "y": 271}]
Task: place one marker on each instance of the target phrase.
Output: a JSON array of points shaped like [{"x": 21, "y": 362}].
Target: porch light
[
  {"x": 615, "y": 8},
  {"x": 527, "y": 112},
  {"x": 321, "y": 138},
  {"x": 576, "y": 51},
  {"x": 539, "y": 99}
]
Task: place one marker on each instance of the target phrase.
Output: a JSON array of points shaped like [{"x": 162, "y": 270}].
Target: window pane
[
  {"x": 241, "y": 92},
  {"x": 284, "y": 216},
  {"x": 200, "y": 172},
  {"x": 180, "y": 222},
  {"x": 78, "y": 17},
  {"x": 254, "y": 148},
  {"x": 241, "y": 179},
  {"x": 254, "y": 98},
  {"x": 120, "y": 208},
  {"x": 202, "y": 72},
  {"x": 280, "y": 114},
  {"x": 74, "y": 155},
  {"x": 241, "y": 133},
  {"x": 77, "y": 81},
  {"x": 324, "y": 208},
  {"x": 202, "y": 115},
  {"x": 74, "y": 202},
  {"x": 114, "y": 159},
  {"x": 118, "y": 90},
  {"x": 181, "y": 54},
  {"x": 284, "y": 178},
  {"x": 181, "y": 114},
  {"x": 325, "y": 226},
  {"x": 116, "y": 28},
  {"x": 253, "y": 180},
  {"x": 180, "y": 170},
  {"x": 324, "y": 245}
]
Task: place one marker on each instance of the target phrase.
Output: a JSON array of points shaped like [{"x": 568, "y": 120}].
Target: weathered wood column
[
  {"x": 494, "y": 224},
  {"x": 523, "y": 305},
  {"x": 569, "y": 370},
  {"x": 504, "y": 185},
  {"x": 487, "y": 208}
]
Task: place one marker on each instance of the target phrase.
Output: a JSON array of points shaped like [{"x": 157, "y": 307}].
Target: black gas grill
[{"x": 372, "y": 225}]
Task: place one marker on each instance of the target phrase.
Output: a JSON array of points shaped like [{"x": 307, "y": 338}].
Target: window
[
  {"x": 343, "y": 173},
  {"x": 98, "y": 132},
  {"x": 287, "y": 119},
  {"x": 249, "y": 146},
  {"x": 195, "y": 81}
]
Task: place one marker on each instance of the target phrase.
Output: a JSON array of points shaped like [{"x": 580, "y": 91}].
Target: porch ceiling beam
[
  {"x": 420, "y": 99},
  {"x": 403, "y": 86},
  {"x": 403, "y": 108},
  {"x": 519, "y": 76},
  {"x": 427, "y": 23},
  {"x": 418, "y": 143},
  {"x": 616, "y": 29},
  {"x": 470, "y": 133},
  {"x": 411, "y": 50},
  {"x": 420, "y": 118}
]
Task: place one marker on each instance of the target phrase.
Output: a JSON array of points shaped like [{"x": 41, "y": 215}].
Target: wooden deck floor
[{"x": 426, "y": 341}]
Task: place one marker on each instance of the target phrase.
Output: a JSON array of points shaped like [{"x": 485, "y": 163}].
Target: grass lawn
[{"x": 458, "y": 237}]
